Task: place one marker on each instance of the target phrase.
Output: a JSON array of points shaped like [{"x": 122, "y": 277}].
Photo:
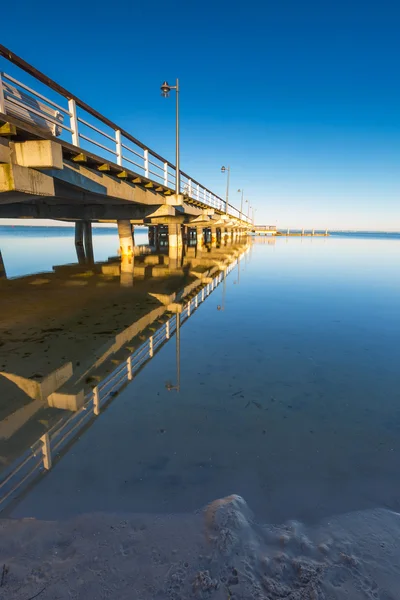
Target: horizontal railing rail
[
  {"x": 62, "y": 114},
  {"x": 39, "y": 457}
]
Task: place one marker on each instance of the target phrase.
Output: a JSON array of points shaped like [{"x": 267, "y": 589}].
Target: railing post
[
  {"x": 129, "y": 367},
  {"x": 2, "y": 99},
  {"x": 196, "y": 301},
  {"x": 167, "y": 329},
  {"x": 146, "y": 163},
  {"x": 165, "y": 173},
  {"x": 96, "y": 401},
  {"x": 202, "y": 295},
  {"x": 119, "y": 146},
  {"x": 151, "y": 352},
  {"x": 46, "y": 451},
  {"x": 190, "y": 302},
  {"x": 190, "y": 188},
  {"x": 198, "y": 191},
  {"x": 73, "y": 119}
]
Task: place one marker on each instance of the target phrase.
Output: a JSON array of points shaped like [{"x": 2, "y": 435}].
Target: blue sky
[{"x": 302, "y": 99}]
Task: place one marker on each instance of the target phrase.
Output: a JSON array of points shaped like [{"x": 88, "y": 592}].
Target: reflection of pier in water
[{"x": 92, "y": 363}]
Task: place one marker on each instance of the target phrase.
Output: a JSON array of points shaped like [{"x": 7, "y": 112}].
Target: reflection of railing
[
  {"x": 87, "y": 128},
  {"x": 40, "y": 455}
]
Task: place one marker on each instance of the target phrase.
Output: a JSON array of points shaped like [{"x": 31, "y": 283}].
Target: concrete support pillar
[
  {"x": 175, "y": 245},
  {"x": 199, "y": 238},
  {"x": 126, "y": 246},
  {"x": 80, "y": 250},
  {"x": 87, "y": 234},
  {"x": 151, "y": 234},
  {"x": 3, "y": 274},
  {"x": 125, "y": 238}
]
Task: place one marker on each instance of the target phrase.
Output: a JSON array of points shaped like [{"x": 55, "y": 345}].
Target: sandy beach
[{"x": 218, "y": 553}]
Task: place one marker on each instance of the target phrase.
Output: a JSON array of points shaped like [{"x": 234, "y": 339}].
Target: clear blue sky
[{"x": 302, "y": 99}]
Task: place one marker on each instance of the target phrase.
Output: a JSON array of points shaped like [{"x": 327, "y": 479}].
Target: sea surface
[
  {"x": 289, "y": 396},
  {"x": 285, "y": 392}
]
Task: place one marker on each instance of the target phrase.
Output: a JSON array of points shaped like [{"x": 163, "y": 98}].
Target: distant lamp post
[
  {"x": 248, "y": 203},
  {"x": 228, "y": 170},
  {"x": 254, "y": 215},
  {"x": 241, "y": 203},
  {"x": 165, "y": 91}
]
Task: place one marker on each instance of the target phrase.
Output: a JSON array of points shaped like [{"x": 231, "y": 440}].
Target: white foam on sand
[{"x": 218, "y": 553}]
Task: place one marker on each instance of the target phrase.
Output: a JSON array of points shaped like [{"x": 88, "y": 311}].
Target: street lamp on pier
[
  {"x": 165, "y": 91},
  {"x": 241, "y": 203},
  {"x": 228, "y": 170}
]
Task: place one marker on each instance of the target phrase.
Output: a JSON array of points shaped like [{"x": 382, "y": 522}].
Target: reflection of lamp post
[
  {"x": 165, "y": 90},
  {"x": 241, "y": 203},
  {"x": 228, "y": 169},
  {"x": 222, "y": 306},
  {"x": 169, "y": 385}
]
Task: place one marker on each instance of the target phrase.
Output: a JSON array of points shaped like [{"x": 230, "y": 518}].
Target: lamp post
[
  {"x": 248, "y": 203},
  {"x": 228, "y": 170},
  {"x": 165, "y": 90},
  {"x": 241, "y": 203}
]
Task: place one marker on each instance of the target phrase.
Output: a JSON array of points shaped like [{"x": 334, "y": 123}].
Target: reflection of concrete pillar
[
  {"x": 199, "y": 238},
  {"x": 87, "y": 233},
  {"x": 3, "y": 274},
  {"x": 213, "y": 237},
  {"x": 125, "y": 238},
  {"x": 127, "y": 266},
  {"x": 80, "y": 250}
]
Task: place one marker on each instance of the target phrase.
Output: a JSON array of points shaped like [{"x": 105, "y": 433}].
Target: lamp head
[
  {"x": 223, "y": 169},
  {"x": 165, "y": 89}
]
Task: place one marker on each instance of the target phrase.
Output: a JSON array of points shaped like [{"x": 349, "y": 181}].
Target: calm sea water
[{"x": 289, "y": 396}]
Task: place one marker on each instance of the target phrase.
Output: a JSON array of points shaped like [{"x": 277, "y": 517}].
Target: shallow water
[{"x": 289, "y": 396}]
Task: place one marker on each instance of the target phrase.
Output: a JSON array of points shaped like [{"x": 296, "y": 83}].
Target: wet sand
[{"x": 219, "y": 553}]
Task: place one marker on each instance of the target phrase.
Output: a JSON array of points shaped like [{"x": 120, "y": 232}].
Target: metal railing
[
  {"x": 39, "y": 457},
  {"x": 57, "y": 112}
]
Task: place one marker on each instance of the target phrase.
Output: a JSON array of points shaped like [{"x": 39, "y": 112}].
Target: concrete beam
[
  {"x": 40, "y": 154},
  {"x": 107, "y": 185},
  {"x": 75, "y": 212},
  {"x": 15, "y": 179}
]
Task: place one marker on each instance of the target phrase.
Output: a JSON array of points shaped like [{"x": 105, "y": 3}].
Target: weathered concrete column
[
  {"x": 199, "y": 238},
  {"x": 80, "y": 250},
  {"x": 126, "y": 246},
  {"x": 87, "y": 234},
  {"x": 213, "y": 237},
  {"x": 3, "y": 274},
  {"x": 125, "y": 238},
  {"x": 175, "y": 235},
  {"x": 175, "y": 245}
]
